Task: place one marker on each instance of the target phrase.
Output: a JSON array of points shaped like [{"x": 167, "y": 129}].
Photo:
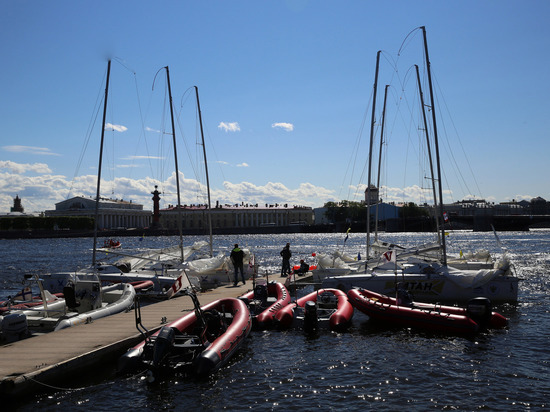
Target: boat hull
[
  {"x": 496, "y": 320},
  {"x": 389, "y": 314},
  {"x": 124, "y": 302},
  {"x": 215, "y": 353},
  {"x": 429, "y": 287}
]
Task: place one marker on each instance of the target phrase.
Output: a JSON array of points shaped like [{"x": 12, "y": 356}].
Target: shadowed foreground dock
[{"x": 32, "y": 364}]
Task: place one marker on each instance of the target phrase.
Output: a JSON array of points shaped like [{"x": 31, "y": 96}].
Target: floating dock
[{"x": 33, "y": 364}]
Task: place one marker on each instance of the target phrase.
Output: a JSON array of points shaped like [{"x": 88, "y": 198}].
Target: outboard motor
[
  {"x": 215, "y": 325},
  {"x": 480, "y": 310},
  {"x": 310, "y": 316},
  {"x": 14, "y": 327},
  {"x": 70, "y": 297},
  {"x": 327, "y": 299},
  {"x": 164, "y": 342},
  {"x": 403, "y": 296},
  {"x": 260, "y": 293}
]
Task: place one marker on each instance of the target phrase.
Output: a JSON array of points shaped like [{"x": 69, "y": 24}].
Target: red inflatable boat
[
  {"x": 198, "y": 343},
  {"x": 325, "y": 307},
  {"x": 264, "y": 301},
  {"x": 447, "y": 319}
]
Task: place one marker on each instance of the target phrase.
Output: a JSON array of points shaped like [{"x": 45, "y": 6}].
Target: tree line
[{"x": 347, "y": 211}]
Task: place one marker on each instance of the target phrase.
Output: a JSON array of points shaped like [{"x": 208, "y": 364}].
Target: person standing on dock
[
  {"x": 237, "y": 256},
  {"x": 286, "y": 254}
]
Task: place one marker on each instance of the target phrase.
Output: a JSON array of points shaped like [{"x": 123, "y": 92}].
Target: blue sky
[{"x": 286, "y": 93}]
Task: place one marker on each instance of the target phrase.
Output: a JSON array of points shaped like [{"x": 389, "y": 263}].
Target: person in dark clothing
[
  {"x": 237, "y": 256},
  {"x": 286, "y": 254},
  {"x": 403, "y": 296},
  {"x": 304, "y": 268}
]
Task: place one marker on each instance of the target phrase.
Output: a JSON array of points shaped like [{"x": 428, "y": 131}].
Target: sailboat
[
  {"x": 170, "y": 262},
  {"x": 432, "y": 280},
  {"x": 157, "y": 270},
  {"x": 84, "y": 299},
  {"x": 213, "y": 271},
  {"x": 163, "y": 266}
]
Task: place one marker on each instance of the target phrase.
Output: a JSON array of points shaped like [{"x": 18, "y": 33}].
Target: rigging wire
[
  {"x": 109, "y": 155},
  {"x": 212, "y": 149},
  {"x": 355, "y": 150},
  {"x": 202, "y": 195},
  {"x": 460, "y": 144},
  {"x": 91, "y": 126},
  {"x": 403, "y": 46},
  {"x": 142, "y": 129},
  {"x": 162, "y": 166},
  {"x": 416, "y": 145},
  {"x": 184, "y": 140}
]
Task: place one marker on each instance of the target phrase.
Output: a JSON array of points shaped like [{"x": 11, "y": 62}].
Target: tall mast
[
  {"x": 100, "y": 163},
  {"x": 175, "y": 160},
  {"x": 373, "y": 120},
  {"x": 206, "y": 170},
  {"x": 380, "y": 160},
  {"x": 429, "y": 151},
  {"x": 443, "y": 245}
]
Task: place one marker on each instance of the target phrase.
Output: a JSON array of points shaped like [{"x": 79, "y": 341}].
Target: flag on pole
[
  {"x": 176, "y": 287},
  {"x": 347, "y": 235},
  {"x": 390, "y": 256},
  {"x": 445, "y": 217}
]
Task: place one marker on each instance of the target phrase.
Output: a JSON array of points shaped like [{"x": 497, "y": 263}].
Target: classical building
[
  {"x": 112, "y": 213},
  {"x": 236, "y": 216}
]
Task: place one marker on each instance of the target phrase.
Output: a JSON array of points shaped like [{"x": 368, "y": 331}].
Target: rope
[
  {"x": 59, "y": 388},
  {"x": 53, "y": 387}
]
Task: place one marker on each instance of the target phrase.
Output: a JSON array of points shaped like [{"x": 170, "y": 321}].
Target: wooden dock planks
[
  {"x": 27, "y": 364},
  {"x": 43, "y": 358}
]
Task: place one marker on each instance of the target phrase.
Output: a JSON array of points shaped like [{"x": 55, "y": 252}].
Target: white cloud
[
  {"x": 140, "y": 157},
  {"x": 42, "y": 192},
  {"x": 414, "y": 193},
  {"x": 229, "y": 127},
  {"x": 149, "y": 129},
  {"x": 242, "y": 165},
  {"x": 21, "y": 168},
  {"x": 285, "y": 126},
  {"x": 30, "y": 149},
  {"x": 115, "y": 127},
  {"x": 305, "y": 194}
]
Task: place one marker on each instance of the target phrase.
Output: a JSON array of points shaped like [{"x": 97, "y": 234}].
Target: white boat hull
[
  {"x": 124, "y": 302},
  {"x": 429, "y": 288}
]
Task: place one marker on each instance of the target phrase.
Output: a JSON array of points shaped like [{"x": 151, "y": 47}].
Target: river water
[{"x": 365, "y": 368}]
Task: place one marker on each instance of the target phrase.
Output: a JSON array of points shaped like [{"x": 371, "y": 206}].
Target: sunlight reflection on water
[{"x": 367, "y": 367}]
